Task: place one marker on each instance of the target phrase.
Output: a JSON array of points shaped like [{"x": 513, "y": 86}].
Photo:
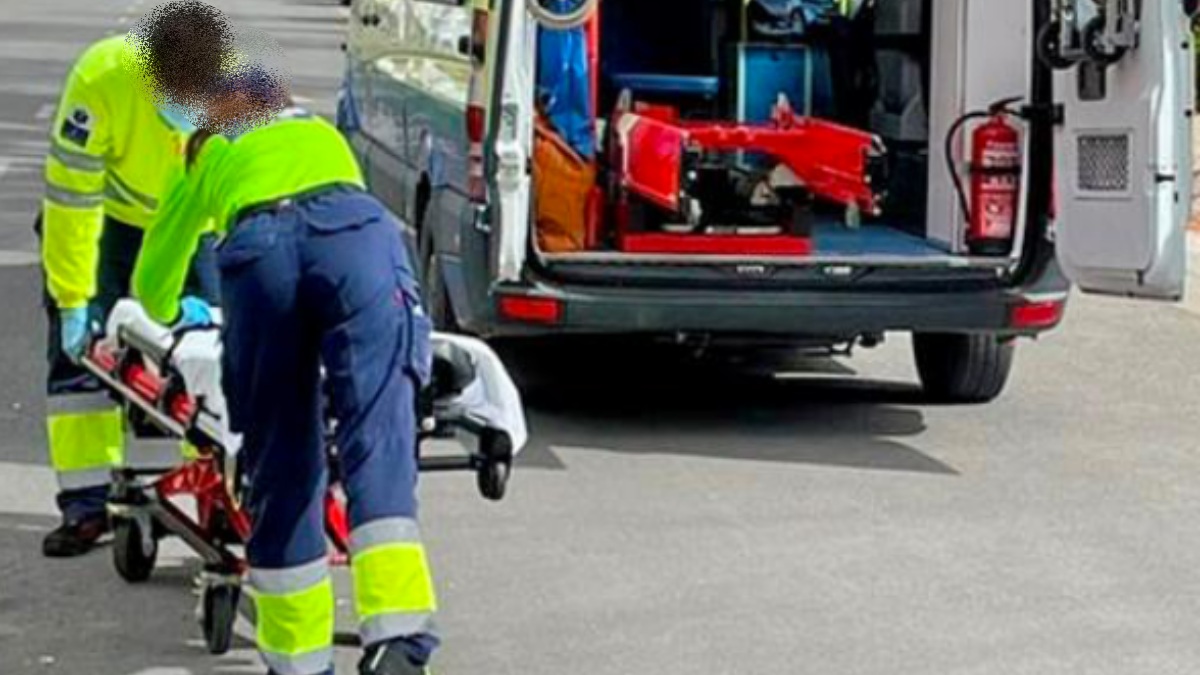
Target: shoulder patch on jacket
[{"x": 77, "y": 126}]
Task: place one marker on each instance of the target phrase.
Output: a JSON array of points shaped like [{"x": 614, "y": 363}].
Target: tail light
[
  {"x": 530, "y": 309},
  {"x": 1036, "y": 314},
  {"x": 476, "y": 118}
]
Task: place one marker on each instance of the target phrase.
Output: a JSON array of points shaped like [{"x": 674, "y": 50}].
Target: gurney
[{"x": 171, "y": 381}]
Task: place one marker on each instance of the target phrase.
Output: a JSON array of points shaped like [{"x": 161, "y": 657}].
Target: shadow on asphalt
[
  {"x": 147, "y": 628},
  {"x": 640, "y": 400}
]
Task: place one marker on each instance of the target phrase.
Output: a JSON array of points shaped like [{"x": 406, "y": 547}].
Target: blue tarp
[{"x": 564, "y": 84}]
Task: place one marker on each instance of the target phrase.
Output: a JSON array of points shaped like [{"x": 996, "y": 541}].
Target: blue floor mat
[{"x": 871, "y": 239}]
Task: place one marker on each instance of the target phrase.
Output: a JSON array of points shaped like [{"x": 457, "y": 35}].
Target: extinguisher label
[{"x": 997, "y": 191}]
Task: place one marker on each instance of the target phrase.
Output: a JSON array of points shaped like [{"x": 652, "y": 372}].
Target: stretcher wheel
[
  {"x": 218, "y": 612},
  {"x": 1093, "y": 44},
  {"x": 492, "y": 479},
  {"x": 135, "y": 551}
]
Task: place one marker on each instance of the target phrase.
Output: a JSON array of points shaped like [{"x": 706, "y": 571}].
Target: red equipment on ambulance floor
[{"x": 735, "y": 188}]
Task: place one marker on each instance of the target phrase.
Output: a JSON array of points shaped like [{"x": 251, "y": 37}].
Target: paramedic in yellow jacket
[{"x": 110, "y": 149}]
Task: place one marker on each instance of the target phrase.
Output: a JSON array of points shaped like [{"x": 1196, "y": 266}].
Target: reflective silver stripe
[
  {"x": 73, "y": 199},
  {"x": 289, "y": 579},
  {"x": 384, "y": 531},
  {"x": 142, "y": 198},
  {"x": 152, "y": 453},
  {"x": 384, "y": 627},
  {"x": 78, "y": 161},
  {"x": 111, "y": 192},
  {"x": 85, "y": 478},
  {"x": 78, "y": 404},
  {"x": 317, "y": 662}
]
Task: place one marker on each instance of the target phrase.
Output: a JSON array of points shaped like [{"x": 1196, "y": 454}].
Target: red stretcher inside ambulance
[{"x": 809, "y": 172}]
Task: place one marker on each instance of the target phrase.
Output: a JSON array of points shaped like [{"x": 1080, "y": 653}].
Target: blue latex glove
[
  {"x": 73, "y": 331},
  {"x": 193, "y": 313}
]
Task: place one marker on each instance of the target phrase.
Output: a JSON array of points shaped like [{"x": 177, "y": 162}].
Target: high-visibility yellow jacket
[
  {"x": 295, "y": 153},
  {"x": 110, "y": 154}
]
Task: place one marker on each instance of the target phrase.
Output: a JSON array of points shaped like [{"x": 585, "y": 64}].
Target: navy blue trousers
[{"x": 325, "y": 281}]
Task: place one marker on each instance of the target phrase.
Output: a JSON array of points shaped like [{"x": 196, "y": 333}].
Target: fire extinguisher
[{"x": 995, "y": 172}]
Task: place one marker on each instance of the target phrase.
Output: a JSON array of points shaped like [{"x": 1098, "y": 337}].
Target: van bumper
[{"x": 833, "y": 314}]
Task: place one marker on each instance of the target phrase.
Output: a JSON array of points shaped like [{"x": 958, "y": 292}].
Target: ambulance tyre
[
  {"x": 1093, "y": 44},
  {"x": 218, "y": 613},
  {"x": 134, "y": 554},
  {"x": 492, "y": 479},
  {"x": 963, "y": 368}
]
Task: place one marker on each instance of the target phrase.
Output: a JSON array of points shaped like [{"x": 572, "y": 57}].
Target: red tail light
[
  {"x": 476, "y": 118},
  {"x": 531, "y": 309},
  {"x": 1038, "y": 314}
]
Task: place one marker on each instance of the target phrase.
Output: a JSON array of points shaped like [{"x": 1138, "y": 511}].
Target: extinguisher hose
[
  {"x": 952, "y": 167},
  {"x": 1003, "y": 106}
]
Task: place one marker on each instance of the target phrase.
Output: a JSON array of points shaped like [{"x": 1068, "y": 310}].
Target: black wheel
[
  {"x": 492, "y": 478},
  {"x": 218, "y": 612},
  {"x": 1050, "y": 47},
  {"x": 958, "y": 368},
  {"x": 1093, "y": 44},
  {"x": 134, "y": 553}
]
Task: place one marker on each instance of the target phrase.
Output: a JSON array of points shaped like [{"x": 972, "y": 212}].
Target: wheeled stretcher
[{"x": 172, "y": 382}]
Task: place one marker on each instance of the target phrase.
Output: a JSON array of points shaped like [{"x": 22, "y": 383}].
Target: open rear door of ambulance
[
  {"x": 1124, "y": 162},
  {"x": 512, "y": 138}
]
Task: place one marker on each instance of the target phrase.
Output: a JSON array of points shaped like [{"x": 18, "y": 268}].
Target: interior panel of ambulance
[
  {"x": 889, "y": 132},
  {"x": 796, "y": 131}
]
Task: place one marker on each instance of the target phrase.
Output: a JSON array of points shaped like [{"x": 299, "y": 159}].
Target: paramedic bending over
[{"x": 313, "y": 272}]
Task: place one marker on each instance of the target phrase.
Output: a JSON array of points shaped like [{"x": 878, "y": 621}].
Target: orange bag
[{"x": 563, "y": 184}]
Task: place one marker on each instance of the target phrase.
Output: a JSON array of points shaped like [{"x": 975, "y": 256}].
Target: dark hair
[{"x": 181, "y": 47}]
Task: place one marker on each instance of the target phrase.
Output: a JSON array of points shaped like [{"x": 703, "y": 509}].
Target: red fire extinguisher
[{"x": 995, "y": 186}]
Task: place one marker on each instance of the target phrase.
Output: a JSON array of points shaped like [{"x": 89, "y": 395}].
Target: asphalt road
[{"x": 677, "y": 519}]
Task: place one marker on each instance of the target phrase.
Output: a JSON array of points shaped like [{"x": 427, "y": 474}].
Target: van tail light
[
  {"x": 531, "y": 309},
  {"x": 1032, "y": 314},
  {"x": 476, "y": 118}
]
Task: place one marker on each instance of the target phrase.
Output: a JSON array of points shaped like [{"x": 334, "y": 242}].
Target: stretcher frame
[{"x": 142, "y": 502}]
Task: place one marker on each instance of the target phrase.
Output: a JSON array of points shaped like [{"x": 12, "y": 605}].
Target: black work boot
[
  {"x": 389, "y": 658},
  {"x": 76, "y": 538}
]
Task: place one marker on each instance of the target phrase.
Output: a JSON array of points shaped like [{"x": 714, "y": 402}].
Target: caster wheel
[
  {"x": 493, "y": 479},
  {"x": 1049, "y": 47},
  {"x": 134, "y": 550},
  {"x": 1093, "y": 44},
  {"x": 218, "y": 612}
]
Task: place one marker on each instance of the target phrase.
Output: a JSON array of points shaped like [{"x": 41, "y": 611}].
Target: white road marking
[
  {"x": 27, "y": 490},
  {"x": 18, "y": 258},
  {"x": 44, "y": 112}
]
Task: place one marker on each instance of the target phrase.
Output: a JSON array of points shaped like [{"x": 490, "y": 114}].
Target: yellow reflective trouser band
[
  {"x": 85, "y": 433},
  {"x": 393, "y": 587},
  {"x": 294, "y": 608}
]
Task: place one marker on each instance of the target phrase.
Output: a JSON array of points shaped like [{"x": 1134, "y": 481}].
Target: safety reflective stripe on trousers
[
  {"x": 393, "y": 586},
  {"x": 72, "y": 198},
  {"x": 294, "y": 606},
  {"x": 75, "y": 160},
  {"x": 152, "y": 453},
  {"x": 316, "y": 662},
  {"x": 85, "y": 434}
]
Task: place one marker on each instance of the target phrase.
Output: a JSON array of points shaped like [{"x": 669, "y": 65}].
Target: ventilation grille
[{"x": 1104, "y": 163}]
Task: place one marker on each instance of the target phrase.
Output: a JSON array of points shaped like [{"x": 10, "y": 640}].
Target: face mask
[{"x": 176, "y": 117}]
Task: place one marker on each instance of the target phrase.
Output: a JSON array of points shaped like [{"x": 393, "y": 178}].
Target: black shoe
[
  {"x": 389, "y": 658},
  {"x": 75, "y": 539}
]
